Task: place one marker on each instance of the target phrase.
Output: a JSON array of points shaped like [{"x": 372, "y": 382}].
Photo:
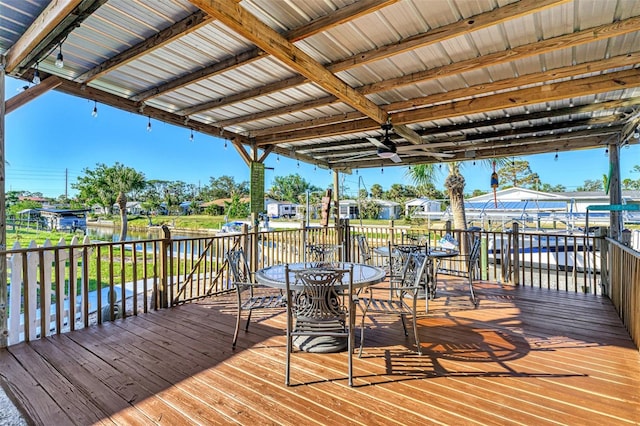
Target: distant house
[
  {"x": 133, "y": 207},
  {"x": 350, "y": 209},
  {"x": 64, "y": 219},
  {"x": 218, "y": 206},
  {"x": 389, "y": 210},
  {"x": 421, "y": 207}
]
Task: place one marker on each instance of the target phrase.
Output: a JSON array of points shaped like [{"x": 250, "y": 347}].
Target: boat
[{"x": 565, "y": 252}]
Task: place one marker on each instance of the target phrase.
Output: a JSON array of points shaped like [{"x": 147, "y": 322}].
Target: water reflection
[{"x": 113, "y": 235}]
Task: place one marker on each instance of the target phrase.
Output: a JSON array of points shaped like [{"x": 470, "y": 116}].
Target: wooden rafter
[
  {"x": 55, "y": 22},
  {"x": 103, "y": 97},
  {"x": 545, "y": 46},
  {"x": 31, "y": 93},
  {"x": 241, "y": 21},
  {"x": 477, "y": 90},
  {"x": 517, "y": 98},
  {"x": 321, "y": 24},
  {"x": 181, "y": 28},
  {"x": 436, "y": 35}
]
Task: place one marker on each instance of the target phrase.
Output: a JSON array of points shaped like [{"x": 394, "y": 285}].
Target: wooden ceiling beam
[
  {"x": 497, "y": 149},
  {"x": 45, "y": 24},
  {"x": 185, "y": 26},
  {"x": 517, "y": 98},
  {"x": 524, "y": 97},
  {"x": 545, "y": 46},
  {"x": 447, "y": 32},
  {"x": 56, "y": 21},
  {"x": 31, "y": 93},
  {"x": 241, "y": 21},
  {"x": 313, "y": 27},
  {"x": 433, "y": 36},
  {"x": 88, "y": 92}
]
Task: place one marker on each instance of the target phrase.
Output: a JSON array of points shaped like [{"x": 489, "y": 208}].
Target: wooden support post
[
  {"x": 253, "y": 241},
  {"x": 4, "y": 331},
  {"x": 516, "y": 254},
  {"x": 615, "y": 192},
  {"x": 162, "y": 298}
]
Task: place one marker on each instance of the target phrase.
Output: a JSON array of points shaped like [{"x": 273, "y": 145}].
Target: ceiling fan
[{"x": 388, "y": 149}]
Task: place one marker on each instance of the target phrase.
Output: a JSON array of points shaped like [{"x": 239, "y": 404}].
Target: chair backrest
[
  {"x": 474, "y": 255},
  {"x": 238, "y": 265},
  {"x": 414, "y": 269},
  {"x": 316, "y": 296},
  {"x": 363, "y": 249}
]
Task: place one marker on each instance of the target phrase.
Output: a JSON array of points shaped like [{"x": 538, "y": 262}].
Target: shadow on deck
[{"x": 524, "y": 356}]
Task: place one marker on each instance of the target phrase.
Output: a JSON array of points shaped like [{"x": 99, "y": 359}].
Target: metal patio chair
[
  {"x": 245, "y": 286},
  {"x": 398, "y": 297},
  {"x": 319, "y": 307}
]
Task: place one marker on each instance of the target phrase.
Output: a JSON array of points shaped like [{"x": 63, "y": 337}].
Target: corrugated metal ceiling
[{"x": 427, "y": 63}]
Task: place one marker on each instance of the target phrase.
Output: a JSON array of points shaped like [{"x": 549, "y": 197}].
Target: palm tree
[
  {"x": 124, "y": 180},
  {"x": 422, "y": 174}
]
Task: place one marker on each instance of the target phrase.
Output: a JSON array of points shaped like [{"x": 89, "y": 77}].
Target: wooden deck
[{"x": 525, "y": 356}]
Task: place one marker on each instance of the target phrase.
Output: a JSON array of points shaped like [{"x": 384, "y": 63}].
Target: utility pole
[{"x": 66, "y": 183}]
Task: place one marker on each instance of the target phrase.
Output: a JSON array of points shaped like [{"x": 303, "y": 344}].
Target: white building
[{"x": 421, "y": 207}]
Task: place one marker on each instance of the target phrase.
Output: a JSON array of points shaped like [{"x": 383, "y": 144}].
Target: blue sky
[{"x": 50, "y": 140}]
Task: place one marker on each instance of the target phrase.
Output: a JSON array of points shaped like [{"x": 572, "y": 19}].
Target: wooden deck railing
[
  {"x": 623, "y": 286},
  {"x": 54, "y": 289}
]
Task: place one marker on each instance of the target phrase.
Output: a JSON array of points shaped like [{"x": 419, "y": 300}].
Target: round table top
[
  {"x": 433, "y": 252},
  {"x": 363, "y": 275}
]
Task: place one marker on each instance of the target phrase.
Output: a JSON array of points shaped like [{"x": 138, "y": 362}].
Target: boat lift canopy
[{"x": 610, "y": 208}]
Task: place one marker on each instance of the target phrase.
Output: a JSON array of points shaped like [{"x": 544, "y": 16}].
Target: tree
[
  {"x": 94, "y": 188},
  {"x": 399, "y": 193},
  {"x": 109, "y": 185},
  {"x": 546, "y": 187},
  {"x": 236, "y": 208},
  {"x": 590, "y": 186},
  {"x": 290, "y": 188},
  {"x": 422, "y": 174},
  {"x": 376, "y": 191},
  {"x": 225, "y": 187},
  {"x": 517, "y": 173}
]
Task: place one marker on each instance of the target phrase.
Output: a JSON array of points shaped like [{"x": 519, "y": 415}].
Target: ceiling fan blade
[
  {"x": 396, "y": 158},
  {"x": 376, "y": 142},
  {"x": 431, "y": 153},
  {"x": 422, "y": 149}
]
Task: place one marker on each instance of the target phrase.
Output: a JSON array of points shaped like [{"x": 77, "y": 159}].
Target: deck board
[{"x": 525, "y": 356}]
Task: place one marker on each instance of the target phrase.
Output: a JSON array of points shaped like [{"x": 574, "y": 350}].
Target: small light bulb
[
  {"x": 36, "y": 77},
  {"x": 94, "y": 113},
  {"x": 59, "y": 59},
  {"x": 556, "y": 157},
  {"x": 191, "y": 136},
  {"x": 606, "y": 152},
  {"x": 149, "y": 125},
  {"x": 298, "y": 164},
  {"x": 225, "y": 144}
]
